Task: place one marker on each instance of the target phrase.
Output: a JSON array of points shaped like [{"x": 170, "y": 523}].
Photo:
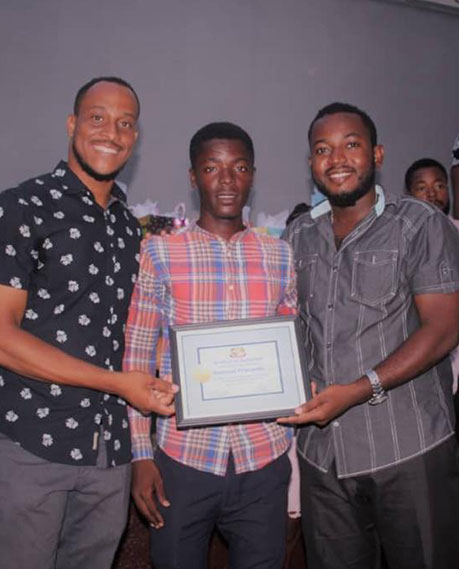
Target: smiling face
[
  {"x": 223, "y": 174},
  {"x": 103, "y": 133},
  {"x": 430, "y": 185},
  {"x": 343, "y": 160}
]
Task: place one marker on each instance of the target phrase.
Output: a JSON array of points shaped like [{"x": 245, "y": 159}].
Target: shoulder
[
  {"x": 158, "y": 244},
  {"x": 414, "y": 214},
  {"x": 303, "y": 226},
  {"x": 413, "y": 221},
  {"x": 36, "y": 187},
  {"x": 411, "y": 206}
]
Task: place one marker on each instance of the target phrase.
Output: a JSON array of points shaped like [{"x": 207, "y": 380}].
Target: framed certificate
[{"x": 238, "y": 370}]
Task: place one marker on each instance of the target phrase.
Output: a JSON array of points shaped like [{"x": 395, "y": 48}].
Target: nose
[
  {"x": 226, "y": 175},
  {"x": 431, "y": 192},
  {"x": 337, "y": 156},
  {"x": 111, "y": 129}
]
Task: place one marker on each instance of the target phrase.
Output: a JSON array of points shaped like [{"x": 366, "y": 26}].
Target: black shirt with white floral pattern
[{"x": 78, "y": 263}]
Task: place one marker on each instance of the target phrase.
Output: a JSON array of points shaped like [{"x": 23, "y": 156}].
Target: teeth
[
  {"x": 106, "y": 149},
  {"x": 340, "y": 175}
]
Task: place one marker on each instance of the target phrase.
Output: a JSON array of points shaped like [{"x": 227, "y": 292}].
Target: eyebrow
[
  {"x": 348, "y": 135},
  {"x": 102, "y": 108},
  {"x": 212, "y": 159}
]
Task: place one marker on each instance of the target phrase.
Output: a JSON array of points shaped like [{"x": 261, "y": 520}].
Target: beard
[
  {"x": 91, "y": 172},
  {"x": 349, "y": 199}
]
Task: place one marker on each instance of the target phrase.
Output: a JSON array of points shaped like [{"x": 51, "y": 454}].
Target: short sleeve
[
  {"x": 433, "y": 256},
  {"x": 18, "y": 254}
]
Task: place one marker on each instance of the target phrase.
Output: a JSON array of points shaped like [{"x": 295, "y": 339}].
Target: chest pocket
[
  {"x": 306, "y": 268},
  {"x": 374, "y": 276}
]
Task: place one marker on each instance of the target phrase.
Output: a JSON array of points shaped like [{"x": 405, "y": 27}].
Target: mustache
[{"x": 334, "y": 169}]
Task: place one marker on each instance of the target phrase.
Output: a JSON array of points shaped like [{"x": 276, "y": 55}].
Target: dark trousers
[
  {"x": 410, "y": 511},
  {"x": 249, "y": 509},
  {"x": 59, "y": 516}
]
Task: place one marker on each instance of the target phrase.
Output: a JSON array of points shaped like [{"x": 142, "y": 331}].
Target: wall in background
[{"x": 265, "y": 64}]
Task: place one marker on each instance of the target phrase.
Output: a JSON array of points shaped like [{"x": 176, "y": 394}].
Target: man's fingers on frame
[
  {"x": 291, "y": 419},
  {"x": 164, "y": 386},
  {"x": 162, "y": 410}
]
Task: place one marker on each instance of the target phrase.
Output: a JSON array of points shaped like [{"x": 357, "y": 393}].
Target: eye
[
  {"x": 353, "y": 144},
  {"x": 321, "y": 150},
  {"x": 126, "y": 124},
  {"x": 242, "y": 168},
  {"x": 209, "y": 169},
  {"x": 97, "y": 118}
]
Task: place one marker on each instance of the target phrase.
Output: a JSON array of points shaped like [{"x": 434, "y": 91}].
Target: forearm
[
  {"x": 25, "y": 354},
  {"x": 422, "y": 349},
  {"x": 142, "y": 447},
  {"x": 418, "y": 353}
]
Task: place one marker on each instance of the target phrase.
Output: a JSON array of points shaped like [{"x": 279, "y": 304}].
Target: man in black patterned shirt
[{"x": 68, "y": 261}]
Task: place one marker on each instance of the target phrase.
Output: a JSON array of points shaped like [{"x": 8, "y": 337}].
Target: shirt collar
[
  {"x": 71, "y": 183},
  {"x": 324, "y": 206},
  {"x": 193, "y": 226}
]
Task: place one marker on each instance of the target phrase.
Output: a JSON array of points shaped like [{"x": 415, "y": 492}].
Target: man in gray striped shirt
[{"x": 378, "y": 282}]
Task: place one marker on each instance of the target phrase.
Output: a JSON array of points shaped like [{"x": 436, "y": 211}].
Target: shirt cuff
[{"x": 142, "y": 447}]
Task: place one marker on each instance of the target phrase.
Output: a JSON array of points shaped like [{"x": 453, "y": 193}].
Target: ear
[
  {"x": 71, "y": 122},
  {"x": 378, "y": 155},
  {"x": 192, "y": 176}
]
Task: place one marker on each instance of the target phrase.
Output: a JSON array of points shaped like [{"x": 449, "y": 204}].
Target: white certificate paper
[{"x": 239, "y": 370}]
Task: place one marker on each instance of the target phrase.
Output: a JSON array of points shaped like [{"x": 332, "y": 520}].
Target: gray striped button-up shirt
[{"x": 356, "y": 307}]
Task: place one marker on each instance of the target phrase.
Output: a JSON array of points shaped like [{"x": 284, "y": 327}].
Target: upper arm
[
  {"x": 19, "y": 245},
  {"x": 432, "y": 259},
  {"x": 440, "y": 312},
  {"x": 13, "y": 302}
]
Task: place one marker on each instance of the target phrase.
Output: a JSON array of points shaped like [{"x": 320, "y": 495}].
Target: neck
[
  {"x": 100, "y": 190},
  {"x": 345, "y": 219},
  {"x": 224, "y": 228}
]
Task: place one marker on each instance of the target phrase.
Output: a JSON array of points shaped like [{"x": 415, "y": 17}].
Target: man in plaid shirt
[{"x": 233, "y": 477}]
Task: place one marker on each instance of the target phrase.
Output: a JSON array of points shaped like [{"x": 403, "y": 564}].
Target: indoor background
[{"x": 267, "y": 65}]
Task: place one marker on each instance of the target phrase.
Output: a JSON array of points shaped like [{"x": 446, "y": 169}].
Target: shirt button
[
  {"x": 328, "y": 345},
  {"x": 330, "y": 306},
  {"x": 230, "y": 287},
  {"x": 336, "y": 423},
  {"x": 335, "y": 268}
]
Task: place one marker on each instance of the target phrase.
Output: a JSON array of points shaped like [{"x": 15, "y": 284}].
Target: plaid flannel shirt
[{"x": 192, "y": 277}]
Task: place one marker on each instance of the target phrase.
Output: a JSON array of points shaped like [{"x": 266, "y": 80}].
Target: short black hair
[
  {"x": 109, "y": 79},
  {"x": 221, "y": 131},
  {"x": 335, "y": 108},
  {"x": 422, "y": 163}
]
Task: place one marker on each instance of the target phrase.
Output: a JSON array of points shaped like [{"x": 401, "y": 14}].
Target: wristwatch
[{"x": 379, "y": 395}]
